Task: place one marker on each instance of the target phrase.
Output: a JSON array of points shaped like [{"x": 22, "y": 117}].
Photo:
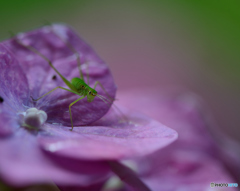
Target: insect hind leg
[
  {"x": 49, "y": 62},
  {"x": 70, "y": 112}
]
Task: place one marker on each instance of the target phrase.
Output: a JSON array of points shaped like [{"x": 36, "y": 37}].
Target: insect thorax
[{"x": 80, "y": 86}]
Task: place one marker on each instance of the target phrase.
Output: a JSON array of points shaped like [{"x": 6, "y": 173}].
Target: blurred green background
[{"x": 192, "y": 44}]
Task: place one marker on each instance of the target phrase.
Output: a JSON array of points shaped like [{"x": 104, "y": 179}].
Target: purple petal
[
  {"x": 175, "y": 109},
  {"x": 14, "y": 91},
  {"x": 40, "y": 75},
  {"x": 108, "y": 138},
  {"x": 24, "y": 163},
  {"x": 8, "y": 121},
  {"x": 181, "y": 168},
  {"x": 194, "y": 160},
  {"x": 14, "y": 86}
]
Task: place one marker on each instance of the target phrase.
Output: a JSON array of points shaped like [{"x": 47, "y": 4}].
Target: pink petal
[
  {"x": 109, "y": 138},
  {"x": 195, "y": 159},
  {"x": 23, "y": 163}
]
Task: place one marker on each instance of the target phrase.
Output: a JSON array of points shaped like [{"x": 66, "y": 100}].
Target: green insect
[{"x": 76, "y": 85}]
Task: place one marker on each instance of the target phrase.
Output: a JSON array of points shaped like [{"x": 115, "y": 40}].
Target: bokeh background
[{"x": 189, "y": 44}]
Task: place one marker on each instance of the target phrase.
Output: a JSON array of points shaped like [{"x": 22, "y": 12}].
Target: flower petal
[
  {"x": 174, "y": 108},
  {"x": 182, "y": 168},
  {"x": 24, "y": 163},
  {"x": 13, "y": 83},
  {"x": 108, "y": 138},
  {"x": 194, "y": 160},
  {"x": 8, "y": 121},
  {"x": 14, "y": 91},
  {"x": 52, "y": 42}
]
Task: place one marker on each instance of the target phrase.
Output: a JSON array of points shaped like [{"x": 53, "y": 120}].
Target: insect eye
[{"x": 90, "y": 93}]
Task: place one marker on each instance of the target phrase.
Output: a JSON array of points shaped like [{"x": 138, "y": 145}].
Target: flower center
[{"x": 33, "y": 118}]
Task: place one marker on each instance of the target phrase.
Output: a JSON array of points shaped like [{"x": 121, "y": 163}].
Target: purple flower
[
  {"x": 196, "y": 159},
  {"x": 52, "y": 43},
  {"x": 36, "y": 145}
]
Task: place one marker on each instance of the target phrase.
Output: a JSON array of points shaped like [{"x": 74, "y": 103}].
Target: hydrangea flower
[
  {"x": 49, "y": 151},
  {"x": 196, "y": 159}
]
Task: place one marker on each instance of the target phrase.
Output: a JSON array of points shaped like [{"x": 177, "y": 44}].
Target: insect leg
[
  {"x": 70, "y": 109},
  {"x": 49, "y": 62},
  {"x": 52, "y": 91}
]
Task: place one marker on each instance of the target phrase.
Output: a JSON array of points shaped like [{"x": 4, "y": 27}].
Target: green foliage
[
  {"x": 214, "y": 26},
  {"x": 27, "y": 14}
]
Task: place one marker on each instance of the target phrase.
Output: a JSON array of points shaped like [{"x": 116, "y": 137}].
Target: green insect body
[{"x": 83, "y": 89}]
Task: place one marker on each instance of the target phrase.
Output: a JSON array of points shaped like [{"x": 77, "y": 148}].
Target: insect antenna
[
  {"x": 107, "y": 101},
  {"x": 103, "y": 100}
]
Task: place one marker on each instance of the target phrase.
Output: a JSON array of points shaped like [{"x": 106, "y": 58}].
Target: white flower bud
[{"x": 33, "y": 118}]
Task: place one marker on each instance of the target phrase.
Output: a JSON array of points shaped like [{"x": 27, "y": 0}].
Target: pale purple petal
[
  {"x": 179, "y": 168},
  {"x": 40, "y": 75},
  {"x": 74, "y": 158},
  {"x": 174, "y": 109},
  {"x": 24, "y": 163},
  {"x": 195, "y": 159},
  {"x": 14, "y": 91},
  {"x": 14, "y": 86},
  {"x": 8, "y": 121},
  {"x": 108, "y": 138}
]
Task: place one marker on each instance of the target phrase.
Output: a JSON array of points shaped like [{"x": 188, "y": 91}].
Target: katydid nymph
[{"x": 77, "y": 85}]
